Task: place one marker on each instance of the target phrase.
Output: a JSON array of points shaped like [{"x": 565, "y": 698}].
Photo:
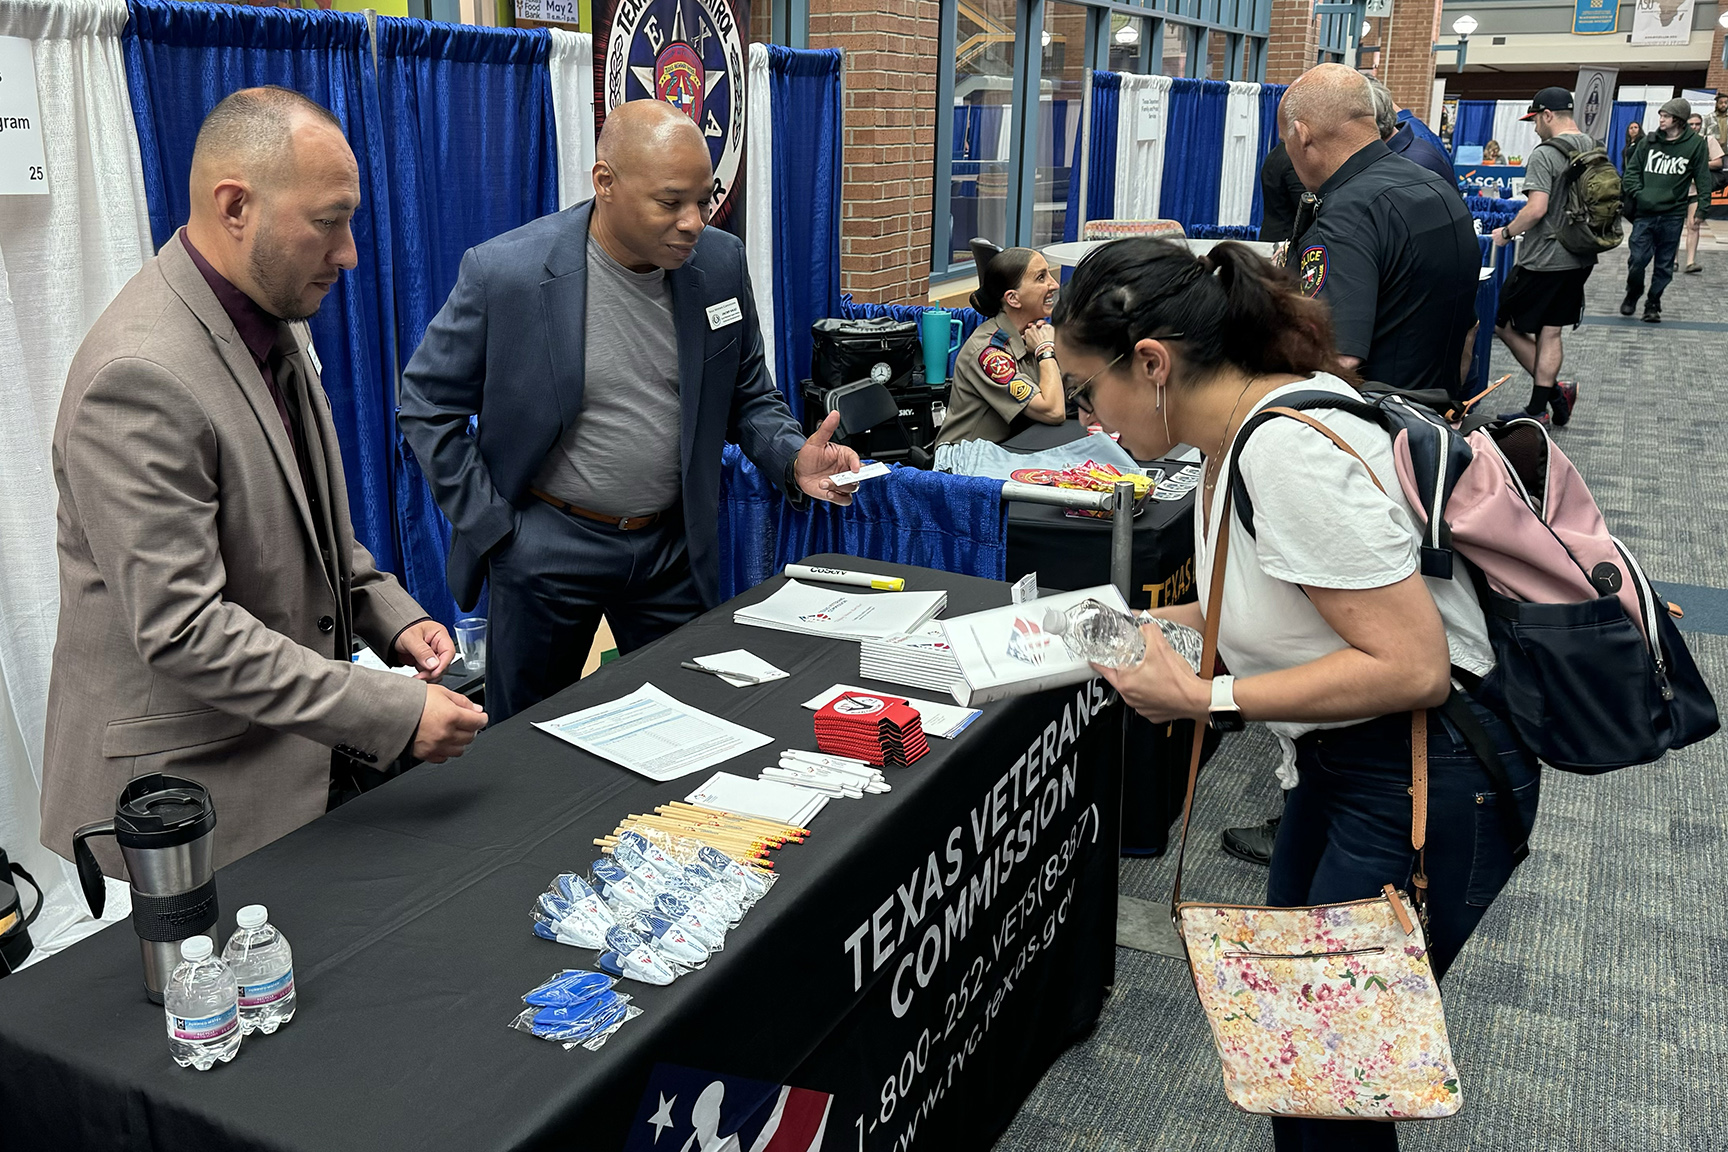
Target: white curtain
[
  {"x": 1516, "y": 137},
  {"x": 63, "y": 257},
  {"x": 1142, "y": 117},
  {"x": 1241, "y": 139},
  {"x": 572, "y": 68},
  {"x": 759, "y": 196}
]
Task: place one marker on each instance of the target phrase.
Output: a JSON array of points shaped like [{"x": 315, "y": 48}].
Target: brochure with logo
[
  {"x": 1007, "y": 652},
  {"x": 812, "y": 611}
]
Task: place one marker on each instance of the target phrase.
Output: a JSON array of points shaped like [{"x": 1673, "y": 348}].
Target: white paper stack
[
  {"x": 767, "y": 799},
  {"x": 1006, "y": 652},
  {"x": 921, "y": 659},
  {"x": 825, "y": 612}
]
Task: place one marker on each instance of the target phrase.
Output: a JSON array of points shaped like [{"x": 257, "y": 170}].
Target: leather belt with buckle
[{"x": 622, "y": 523}]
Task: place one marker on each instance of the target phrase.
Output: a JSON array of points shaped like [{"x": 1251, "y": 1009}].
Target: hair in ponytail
[
  {"x": 1000, "y": 271},
  {"x": 1229, "y": 306}
]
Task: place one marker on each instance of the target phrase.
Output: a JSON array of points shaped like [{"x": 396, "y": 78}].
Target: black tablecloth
[{"x": 924, "y": 956}]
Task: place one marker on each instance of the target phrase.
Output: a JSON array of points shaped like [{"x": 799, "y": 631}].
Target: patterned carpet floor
[{"x": 1590, "y": 1010}]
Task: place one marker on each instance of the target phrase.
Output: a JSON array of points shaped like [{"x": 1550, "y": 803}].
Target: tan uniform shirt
[{"x": 995, "y": 377}]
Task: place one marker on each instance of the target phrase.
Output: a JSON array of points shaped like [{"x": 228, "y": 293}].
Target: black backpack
[{"x": 1587, "y": 196}]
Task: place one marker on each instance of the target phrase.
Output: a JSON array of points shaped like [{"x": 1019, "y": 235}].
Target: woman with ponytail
[
  {"x": 1005, "y": 377},
  {"x": 1330, "y": 630}
]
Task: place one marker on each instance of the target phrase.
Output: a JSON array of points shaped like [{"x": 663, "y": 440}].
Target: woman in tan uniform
[{"x": 1005, "y": 376}]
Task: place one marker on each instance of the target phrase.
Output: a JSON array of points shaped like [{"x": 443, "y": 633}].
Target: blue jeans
[
  {"x": 1346, "y": 834},
  {"x": 1658, "y": 235}
]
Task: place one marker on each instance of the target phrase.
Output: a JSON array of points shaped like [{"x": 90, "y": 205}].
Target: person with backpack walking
[
  {"x": 1331, "y": 631},
  {"x": 1545, "y": 293},
  {"x": 1667, "y": 181}
]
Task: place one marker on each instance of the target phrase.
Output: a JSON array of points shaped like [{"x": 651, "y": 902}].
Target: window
[
  {"x": 1061, "y": 92},
  {"x": 984, "y": 35}
]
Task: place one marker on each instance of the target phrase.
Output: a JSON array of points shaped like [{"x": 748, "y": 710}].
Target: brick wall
[
  {"x": 1406, "y": 63},
  {"x": 890, "y": 137},
  {"x": 1294, "y": 40},
  {"x": 1717, "y": 77},
  {"x": 761, "y": 22}
]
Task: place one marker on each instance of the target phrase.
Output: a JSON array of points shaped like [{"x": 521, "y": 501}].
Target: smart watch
[{"x": 1224, "y": 715}]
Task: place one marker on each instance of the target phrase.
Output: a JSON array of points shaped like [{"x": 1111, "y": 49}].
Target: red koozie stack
[{"x": 880, "y": 730}]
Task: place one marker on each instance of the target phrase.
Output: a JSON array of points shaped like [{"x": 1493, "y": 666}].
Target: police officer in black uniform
[{"x": 1391, "y": 248}]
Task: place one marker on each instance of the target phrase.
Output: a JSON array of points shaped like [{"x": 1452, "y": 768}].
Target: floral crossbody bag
[{"x": 1330, "y": 1011}]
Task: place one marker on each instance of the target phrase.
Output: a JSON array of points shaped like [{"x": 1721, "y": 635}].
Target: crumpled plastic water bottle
[{"x": 1095, "y": 631}]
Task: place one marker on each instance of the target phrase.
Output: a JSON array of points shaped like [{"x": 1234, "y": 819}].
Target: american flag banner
[{"x": 689, "y": 1110}]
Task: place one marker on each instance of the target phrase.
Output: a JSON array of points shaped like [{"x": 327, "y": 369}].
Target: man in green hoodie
[{"x": 1668, "y": 180}]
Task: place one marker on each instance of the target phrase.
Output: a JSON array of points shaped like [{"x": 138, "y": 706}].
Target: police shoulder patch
[
  {"x": 997, "y": 364},
  {"x": 1021, "y": 390},
  {"x": 1312, "y": 269}
]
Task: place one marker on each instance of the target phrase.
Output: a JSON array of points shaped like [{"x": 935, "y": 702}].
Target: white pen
[
  {"x": 843, "y": 576},
  {"x": 835, "y": 772},
  {"x": 810, "y": 772},
  {"x": 815, "y": 785},
  {"x": 825, "y": 760}
]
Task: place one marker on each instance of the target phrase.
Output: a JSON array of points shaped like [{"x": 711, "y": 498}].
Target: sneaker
[
  {"x": 1565, "y": 399},
  {"x": 1652, "y": 314},
  {"x": 1253, "y": 843},
  {"x": 1543, "y": 419},
  {"x": 1630, "y": 304}
]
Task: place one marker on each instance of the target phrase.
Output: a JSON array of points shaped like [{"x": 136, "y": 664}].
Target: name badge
[
  {"x": 312, "y": 355},
  {"x": 724, "y": 313}
]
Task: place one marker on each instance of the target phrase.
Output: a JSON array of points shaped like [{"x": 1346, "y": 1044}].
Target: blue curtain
[
  {"x": 954, "y": 523},
  {"x": 471, "y": 148},
  {"x": 181, "y": 59},
  {"x": 1475, "y": 123},
  {"x": 1101, "y": 164},
  {"x": 1193, "y": 171},
  {"x": 1623, "y": 114},
  {"x": 806, "y": 97},
  {"x": 1492, "y": 212},
  {"x": 1270, "y": 95},
  {"x": 1487, "y": 305}
]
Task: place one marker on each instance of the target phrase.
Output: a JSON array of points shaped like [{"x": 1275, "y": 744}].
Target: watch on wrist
[{"x": 1223, "y": 714}]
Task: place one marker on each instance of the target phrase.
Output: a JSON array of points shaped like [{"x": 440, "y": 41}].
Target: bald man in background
[
  {"x": 609, "y": 351},
  {"x": 1391, "y": 249},
  {"x": 210, "y": 582}
]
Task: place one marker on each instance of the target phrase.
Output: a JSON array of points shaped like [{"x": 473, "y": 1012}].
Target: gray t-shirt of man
[
  {"x": 1540, "y": 250},
  {"x": 622, "y": 456}
]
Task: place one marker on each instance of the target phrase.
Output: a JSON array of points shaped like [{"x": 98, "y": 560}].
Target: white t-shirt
[{"x": 1321, "y": 522}]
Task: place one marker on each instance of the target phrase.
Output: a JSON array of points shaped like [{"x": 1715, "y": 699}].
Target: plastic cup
[{"x": 471, "y": 641}]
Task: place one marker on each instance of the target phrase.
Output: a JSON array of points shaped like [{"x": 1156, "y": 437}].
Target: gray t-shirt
[
  {"x": 621, "y": 457},
  {"x": 1539, "y": 250}
]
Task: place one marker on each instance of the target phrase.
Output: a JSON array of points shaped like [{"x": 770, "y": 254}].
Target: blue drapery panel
[
  {"x": 1475, "y": 123},
  {"x": 1620, "y": 118},
  {"x": 1101, "y": 163},
  {"x": 850, "y": 309},
  {"x": 1492, "y": 212},
  {"x": 1194, "y": 152},
  {"x": 954, "y": 523},
  {"x": 1487, "y": 304},
  {"x": 1270, "y": 95},
  {"x": 806, "y": 101},
  {"x": 471, "y": 148},
  {"x": 181, "y": 59}
]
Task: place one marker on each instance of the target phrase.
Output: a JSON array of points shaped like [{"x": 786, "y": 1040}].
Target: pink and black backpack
[{"x": 1590, "y": 672}]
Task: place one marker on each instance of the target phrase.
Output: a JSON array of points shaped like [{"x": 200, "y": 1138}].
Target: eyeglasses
[{"x": 1082, "y": 395}]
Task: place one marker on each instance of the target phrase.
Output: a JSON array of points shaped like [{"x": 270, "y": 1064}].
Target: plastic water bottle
[
  {"x": 264, "y": 970},
  {"x": 1104, "y": 635},
  {"x": 202, "y": 1007}
]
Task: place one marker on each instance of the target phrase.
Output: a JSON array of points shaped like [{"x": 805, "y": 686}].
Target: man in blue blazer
[{"x": 608, "y": 355}]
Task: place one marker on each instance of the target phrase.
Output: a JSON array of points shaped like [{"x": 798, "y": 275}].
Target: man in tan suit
[{"x": 210, "y": 582}]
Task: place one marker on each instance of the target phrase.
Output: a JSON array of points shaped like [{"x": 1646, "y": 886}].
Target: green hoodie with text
[{"x": 1660, "y": 169}]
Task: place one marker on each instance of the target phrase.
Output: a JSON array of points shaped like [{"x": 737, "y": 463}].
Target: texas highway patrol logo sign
[
  {"x": 689, "y": 53},
  {"x": 1312, "y": 269}
]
